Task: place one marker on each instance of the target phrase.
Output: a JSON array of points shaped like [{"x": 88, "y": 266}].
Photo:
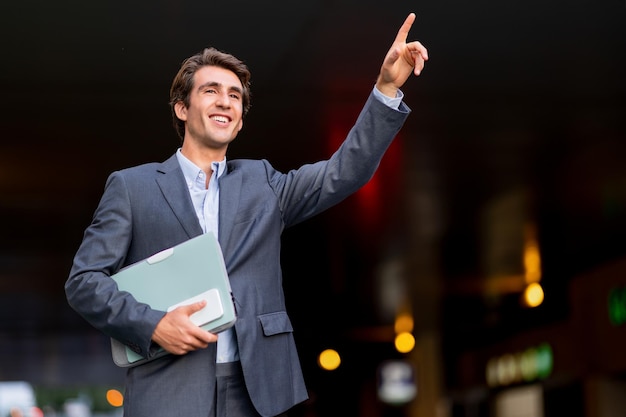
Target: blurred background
[{"x": 481, "y": 272}]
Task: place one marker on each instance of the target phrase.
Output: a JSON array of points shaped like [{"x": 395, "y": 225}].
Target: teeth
[{"x": 220, "y": 119}]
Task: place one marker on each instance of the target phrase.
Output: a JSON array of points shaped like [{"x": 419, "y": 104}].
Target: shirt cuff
[{"x": 394, "y": 103}]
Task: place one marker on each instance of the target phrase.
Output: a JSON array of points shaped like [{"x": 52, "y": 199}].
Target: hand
[
  {"x": 401, "y": 60},
  {"x": 177, "y": 334}
]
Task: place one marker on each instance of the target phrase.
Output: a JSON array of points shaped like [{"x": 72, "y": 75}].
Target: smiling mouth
[{"x": 220, "y": 119}]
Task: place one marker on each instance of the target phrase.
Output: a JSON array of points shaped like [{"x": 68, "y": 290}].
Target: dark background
[{"x": 521, "y": 98}]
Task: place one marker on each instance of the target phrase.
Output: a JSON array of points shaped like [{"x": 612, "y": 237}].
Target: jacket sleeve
[
  {"x": 313, "y": 188},
  {"x": 92, "y": 292}
]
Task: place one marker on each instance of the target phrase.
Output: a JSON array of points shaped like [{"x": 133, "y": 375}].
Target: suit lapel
[
  {"x": 230, "y": 190},
  {"x": 172, "y": 184}
]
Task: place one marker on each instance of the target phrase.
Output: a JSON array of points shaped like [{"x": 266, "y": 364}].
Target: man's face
[{"x": 215, "y": 112}]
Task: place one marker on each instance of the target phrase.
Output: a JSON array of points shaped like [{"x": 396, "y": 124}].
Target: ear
[
  {"x": 240, "y": 125},
  {"x": 180, "y": 110}
]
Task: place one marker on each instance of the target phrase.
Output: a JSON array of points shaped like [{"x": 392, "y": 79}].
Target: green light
[
  {"x": 534, "y": 363},
  {"x": 617, "y": 306},
  {"x": 545, "y": 361}
]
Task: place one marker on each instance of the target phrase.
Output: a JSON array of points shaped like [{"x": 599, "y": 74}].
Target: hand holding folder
[{"x": 189, "y": 272}]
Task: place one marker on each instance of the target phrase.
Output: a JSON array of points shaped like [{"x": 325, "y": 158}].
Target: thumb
[
  {"x": 189, "y": 309},
  {"x": 392, "y": 56}
]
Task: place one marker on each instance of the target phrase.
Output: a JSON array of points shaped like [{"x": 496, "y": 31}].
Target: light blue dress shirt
[
  {"x": 206, "y": 204},
  {"x": 394, "y": 103}
]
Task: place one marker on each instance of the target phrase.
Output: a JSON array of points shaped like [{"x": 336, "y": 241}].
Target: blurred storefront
[{"x": 574, "y": 368}]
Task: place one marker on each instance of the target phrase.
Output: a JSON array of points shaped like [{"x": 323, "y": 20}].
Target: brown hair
[{"x": 183, "y": 82}]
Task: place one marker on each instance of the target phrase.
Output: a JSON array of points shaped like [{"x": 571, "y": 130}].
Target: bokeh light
[
  {"x": 533, "y": 295},
  {"x": 115, "y": 398},
  {"x": 403, "y": 323},
  {"x": 329, "y": 360},
  {"x": 404, "y": 342}
]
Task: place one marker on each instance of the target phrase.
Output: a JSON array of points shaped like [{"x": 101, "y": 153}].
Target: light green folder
[{"x": 191, "y": 271}]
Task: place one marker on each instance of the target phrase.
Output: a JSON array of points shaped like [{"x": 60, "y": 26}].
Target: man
[{"x": 253, "y": 369}]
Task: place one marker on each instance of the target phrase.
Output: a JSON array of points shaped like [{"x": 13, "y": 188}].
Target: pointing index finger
[{"x": 403, "y": 33}]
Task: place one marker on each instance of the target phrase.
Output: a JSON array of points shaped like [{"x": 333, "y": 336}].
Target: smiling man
[{"x": 251, "y": 369}]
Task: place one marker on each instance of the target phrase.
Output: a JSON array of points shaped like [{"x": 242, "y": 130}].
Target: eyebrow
[{"x": 216, "y": 84}]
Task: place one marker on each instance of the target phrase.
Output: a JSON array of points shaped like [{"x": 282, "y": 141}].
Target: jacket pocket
[{"x": 275, "y": 323}]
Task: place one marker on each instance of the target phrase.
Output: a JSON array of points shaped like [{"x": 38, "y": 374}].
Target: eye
[{"x": 235, "y": 96}]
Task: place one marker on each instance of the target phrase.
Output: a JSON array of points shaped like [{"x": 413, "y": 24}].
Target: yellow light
[
  {"x": 329, "y": 360},
  {"x": 115, "y": 398},
  {"x": 508, "y": 371},
  {"x": 532, "y": 256},
  {"x": 405, "y": 342},
  {"x": 404, "y": 323},
  {"x": 533, "y": 295}
]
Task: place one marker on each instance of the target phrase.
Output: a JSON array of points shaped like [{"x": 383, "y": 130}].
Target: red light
[{"x": 36, "y": 412}]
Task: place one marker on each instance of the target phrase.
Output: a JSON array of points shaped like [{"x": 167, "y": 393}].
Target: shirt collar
[{"x": 192, "y": 172}]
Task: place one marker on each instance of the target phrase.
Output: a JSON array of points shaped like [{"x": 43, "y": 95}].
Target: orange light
[
  {"x": 115, "y": 398},
  {"x": 532, "y": 256},
  {"x": 403, "y": 323}
]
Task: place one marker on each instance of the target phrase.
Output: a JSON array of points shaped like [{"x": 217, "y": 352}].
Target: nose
[{"x": 223, "y": 100}]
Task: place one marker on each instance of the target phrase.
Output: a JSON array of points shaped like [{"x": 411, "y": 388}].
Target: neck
[{"x": 203, "y": 157}]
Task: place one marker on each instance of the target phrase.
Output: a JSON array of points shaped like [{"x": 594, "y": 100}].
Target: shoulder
[
  {"x": 140, "y": 169},
  {"x": 248, "y": 166},
  {"x": 143, "y": 173},
  {"x": 148, "y": 169}
]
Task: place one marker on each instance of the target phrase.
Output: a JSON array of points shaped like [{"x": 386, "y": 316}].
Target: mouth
[{"x": 220, "y": 119}]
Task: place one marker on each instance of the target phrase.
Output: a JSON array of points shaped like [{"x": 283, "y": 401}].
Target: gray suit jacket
[{"x": 147, "y": 208}]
